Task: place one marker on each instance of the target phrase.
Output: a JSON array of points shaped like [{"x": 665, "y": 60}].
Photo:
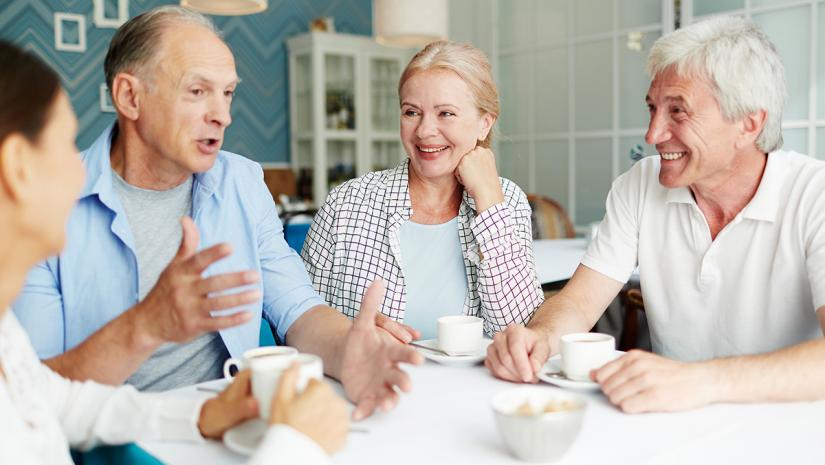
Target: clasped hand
[{"x": 477, "y": 173}]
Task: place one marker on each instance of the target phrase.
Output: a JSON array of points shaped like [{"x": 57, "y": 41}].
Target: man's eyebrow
[
  {"x": 669, "y": 98},
  {"x": 197, "y": 77}
]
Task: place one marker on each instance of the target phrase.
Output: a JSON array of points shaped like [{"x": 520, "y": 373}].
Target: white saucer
[
  {"x": 244, "y": 438},
  {"x": 554, "y": 366},
  {"x": 453, "y": 360}
]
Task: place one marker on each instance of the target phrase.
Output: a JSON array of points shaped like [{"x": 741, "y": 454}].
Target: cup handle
[{"x": 227, "y": 367}]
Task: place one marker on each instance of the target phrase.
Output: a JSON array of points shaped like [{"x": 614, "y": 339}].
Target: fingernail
[{"x": 251, "y": 276}]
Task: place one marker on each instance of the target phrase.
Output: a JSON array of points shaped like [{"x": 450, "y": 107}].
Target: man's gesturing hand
[{"x": 179, "y": 307}]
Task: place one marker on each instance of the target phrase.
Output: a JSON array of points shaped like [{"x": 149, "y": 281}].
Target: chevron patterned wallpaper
[{"x": 260, "y": 111}]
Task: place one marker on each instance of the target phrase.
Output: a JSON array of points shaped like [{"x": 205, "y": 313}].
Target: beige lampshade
[
  {"x": 409, "y": 23},
  {"x": 226, "y": 7}
]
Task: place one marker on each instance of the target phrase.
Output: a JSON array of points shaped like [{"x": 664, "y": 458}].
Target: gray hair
[
  {"x": 138, "y": 40},
  {"x": 738, "y": 60}
]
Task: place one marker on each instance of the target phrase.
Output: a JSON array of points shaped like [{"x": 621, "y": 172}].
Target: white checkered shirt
[{"x": 354, "y": 240}]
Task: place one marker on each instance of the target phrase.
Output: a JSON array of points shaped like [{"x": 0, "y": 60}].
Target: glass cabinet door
[
  {"x": 340, "y": 162},
  {"x": 339, "y": 83},
  {"x": 303, "y": 163},
  {"x": 386, "y": 154},
  {"x": 384, "y": 74},
  {"x": 303, "y": 93}
]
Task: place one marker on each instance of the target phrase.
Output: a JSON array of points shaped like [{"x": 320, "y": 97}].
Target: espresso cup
[
  {"x": 287, "y": 353},
  {"x": 267, "y": 372},
  {"x": 583, "y": 352},
  {"x": 460, "y": 334}
]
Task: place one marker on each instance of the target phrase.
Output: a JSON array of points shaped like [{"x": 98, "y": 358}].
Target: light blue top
[
  {"x": 433, "y": 267},
  {"x": 95, "y": 278}
]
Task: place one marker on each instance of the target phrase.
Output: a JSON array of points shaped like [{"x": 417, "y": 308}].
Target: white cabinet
[{"x": 344, "y": 109}]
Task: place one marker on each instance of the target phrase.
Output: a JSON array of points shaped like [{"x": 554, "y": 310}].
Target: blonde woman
[
  {"x": 41, "y": 413},
  {"x": 447, "y": 234}
]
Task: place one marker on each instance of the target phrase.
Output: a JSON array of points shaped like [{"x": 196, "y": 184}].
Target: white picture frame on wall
[
  {"x": 100, "y": 18},
  {"x": 106, "y": 104},
  {"x": 59, "y": 41}
]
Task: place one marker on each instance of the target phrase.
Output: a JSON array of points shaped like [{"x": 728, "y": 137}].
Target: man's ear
[
  {"x": 126, "y": 95},
  {"x": 752, "y": 125},
  {"x": 15, "y": 166}
]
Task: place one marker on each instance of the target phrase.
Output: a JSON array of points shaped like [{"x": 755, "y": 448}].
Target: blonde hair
[{"x": 469, "y": 63}]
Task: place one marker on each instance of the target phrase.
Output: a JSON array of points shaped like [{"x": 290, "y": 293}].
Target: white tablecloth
[{"x": 447, "y": 419}]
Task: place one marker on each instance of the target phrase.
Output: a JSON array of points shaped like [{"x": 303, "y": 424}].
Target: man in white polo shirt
[{"x": 728, "y": 232}]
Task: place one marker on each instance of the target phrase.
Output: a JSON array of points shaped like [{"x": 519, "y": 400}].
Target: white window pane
[
  {"x": 552, "y": 171},
  {"x": 790, "y": 31},
  {"x": 593, "y": 16},
  {"x": 514, "y": 89},
  {"x": 593, "y": 177},
  {"x": 594, "y": 84},
  {"x": 706, "y": 7},
  {"x": 820, "y": 95},
  {"x": 796, "y": 140},
  {"x": 758, "y": 3},
  {"x": 633, "y": 79},
  {"x": 820, "y": 143},
  {"x": 628, "y": 144},
  {"x": 513, "y": 163},
  {"x": 550, "y": 21},
  {"x": 634, "y": 13},
  {"x": 551, "y": 93},
  {"x": 513, "y": 18}
]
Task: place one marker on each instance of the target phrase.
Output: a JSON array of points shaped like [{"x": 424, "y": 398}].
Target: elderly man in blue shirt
[{"x": 131, "y": 298}]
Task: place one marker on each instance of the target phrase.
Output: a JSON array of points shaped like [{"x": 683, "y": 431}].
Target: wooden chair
[
  {"x": 550, "y": 219},
  {"x": 633, "y": 303}
]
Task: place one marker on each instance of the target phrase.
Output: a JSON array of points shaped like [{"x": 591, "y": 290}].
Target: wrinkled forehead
[{"x": 193, "y": 51}]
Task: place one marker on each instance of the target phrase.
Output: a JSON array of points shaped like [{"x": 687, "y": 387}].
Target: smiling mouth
[
  {"x": 432, "y": 149},
  {"x": 670, "y": 156}
]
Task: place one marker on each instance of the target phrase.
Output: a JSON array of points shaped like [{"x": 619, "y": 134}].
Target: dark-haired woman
[{"x": 42, "y": 414}]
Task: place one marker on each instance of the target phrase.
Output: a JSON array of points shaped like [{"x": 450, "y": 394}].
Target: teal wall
[{"x": 260, "y": 112}]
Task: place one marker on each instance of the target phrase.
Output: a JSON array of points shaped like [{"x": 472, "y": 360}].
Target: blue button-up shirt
[{"x": 95, "y": 278}]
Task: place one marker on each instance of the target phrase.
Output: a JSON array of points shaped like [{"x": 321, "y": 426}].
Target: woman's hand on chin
[{"x": 477, "y": 172}]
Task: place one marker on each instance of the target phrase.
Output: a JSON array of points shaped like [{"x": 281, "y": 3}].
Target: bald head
[{"x": 138, "y": 43}]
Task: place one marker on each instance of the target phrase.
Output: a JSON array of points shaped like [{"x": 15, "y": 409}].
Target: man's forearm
[
  {"x": 791, "y": 374},
  {"x": 322, "y": 330},
  {"x": 110, "y": 355},
  {"x": 556, "y": 317}
]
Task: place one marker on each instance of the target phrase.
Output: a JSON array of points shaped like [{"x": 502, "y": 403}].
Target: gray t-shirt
[{"x": 154, "y": 217}]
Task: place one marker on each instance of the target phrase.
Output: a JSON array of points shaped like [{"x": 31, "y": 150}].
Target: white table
[
  {"x": 557, "y": 259},
  {"x": 447, "y": 419}
]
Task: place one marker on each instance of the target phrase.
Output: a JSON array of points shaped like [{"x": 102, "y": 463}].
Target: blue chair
[
  {"x": 296, "y": 227},
  {"x": 127, "y": 454}
]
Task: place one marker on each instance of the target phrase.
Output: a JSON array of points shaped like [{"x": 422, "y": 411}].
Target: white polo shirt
[{"x": 754, "y": 289}]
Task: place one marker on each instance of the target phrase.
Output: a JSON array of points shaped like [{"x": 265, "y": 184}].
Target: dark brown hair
[{"x": 28, "y": 88}]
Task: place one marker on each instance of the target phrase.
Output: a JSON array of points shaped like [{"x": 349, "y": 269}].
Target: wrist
[
  {"x": 141, "y": 336},
  {"x": 720, "y": 387},
  {"x": 487, "y": 199},
  {"x": 546, "y": 336}
]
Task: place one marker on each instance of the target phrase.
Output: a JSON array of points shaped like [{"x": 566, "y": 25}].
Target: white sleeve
[
  {"x": 614, "y": 251},
  {"x": 92, "y": 414},
  {"x": 284, "y": 445}
]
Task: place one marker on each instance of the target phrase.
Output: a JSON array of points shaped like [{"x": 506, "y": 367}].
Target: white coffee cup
[
  {"x": 583, "y": 352},
  {"x": 460, "y": 334},
  {"x": 267, "y": 372},
  {"x": 288, "y": 353}
]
